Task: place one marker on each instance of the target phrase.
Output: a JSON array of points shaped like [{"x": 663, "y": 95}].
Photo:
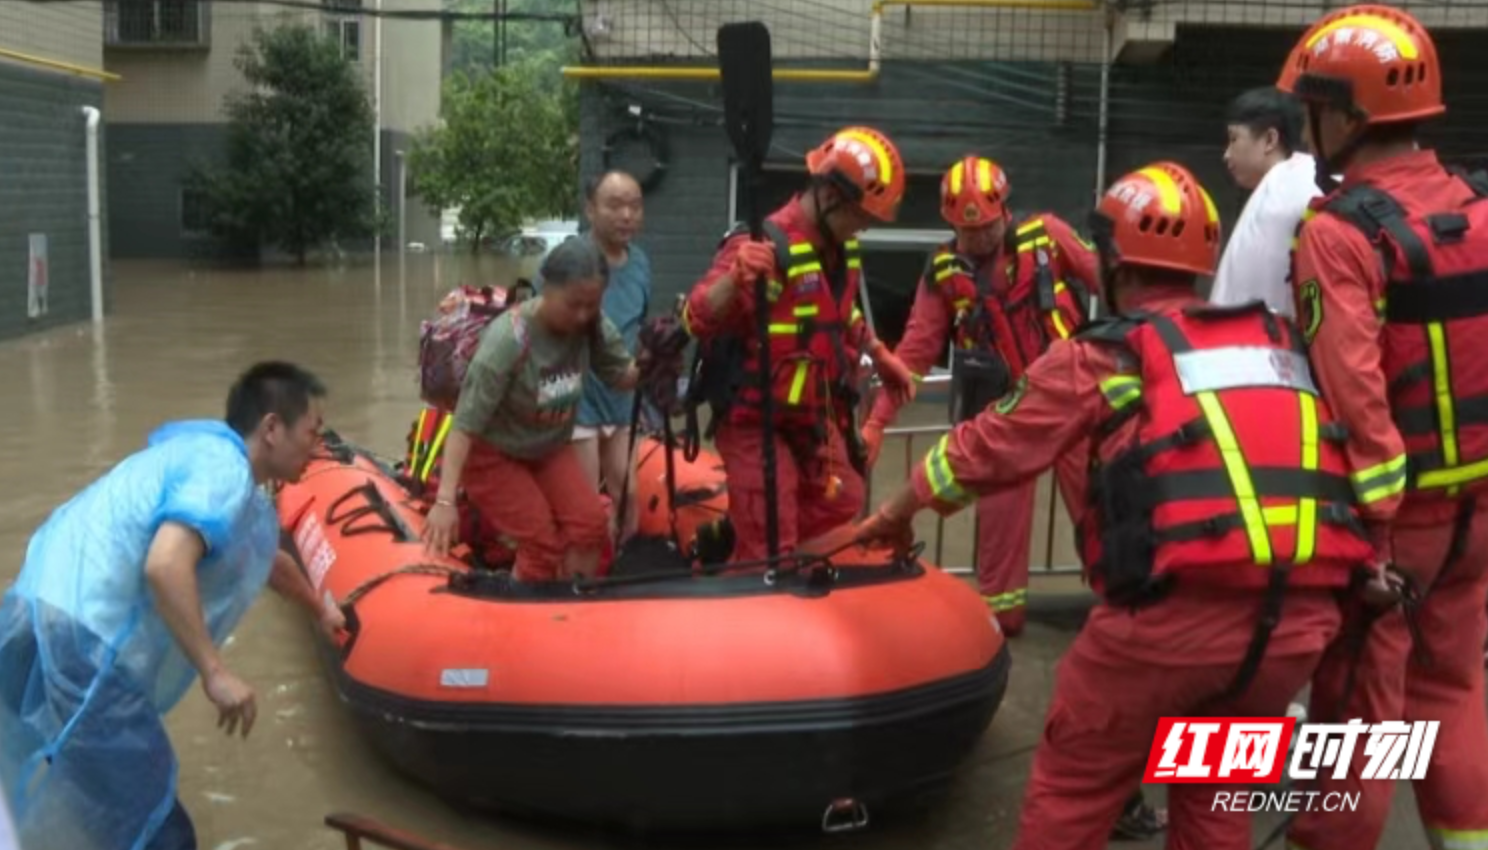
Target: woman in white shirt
[{"x": 1265, "y": 131}]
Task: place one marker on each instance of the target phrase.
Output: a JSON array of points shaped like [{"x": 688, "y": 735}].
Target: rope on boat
[{"x": 409, "y": 570}]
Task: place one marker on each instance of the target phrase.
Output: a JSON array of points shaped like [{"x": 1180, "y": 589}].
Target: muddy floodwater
[{"x": 76, "y": 401}]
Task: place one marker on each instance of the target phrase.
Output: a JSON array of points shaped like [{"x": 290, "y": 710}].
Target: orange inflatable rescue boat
[{"x": 678, "y": 691}]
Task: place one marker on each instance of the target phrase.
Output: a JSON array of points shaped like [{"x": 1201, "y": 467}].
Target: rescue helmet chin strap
[
  {"x": 1328, "y": 164},
  {"x": 847, "y": 194},
  {"x": 1102, "y": 230}
]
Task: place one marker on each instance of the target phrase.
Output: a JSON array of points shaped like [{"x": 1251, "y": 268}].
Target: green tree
[
  {"x": 473, "y": 43},
  {"x": 505, "y": 151},
  {"x": 298, "y": 167}
]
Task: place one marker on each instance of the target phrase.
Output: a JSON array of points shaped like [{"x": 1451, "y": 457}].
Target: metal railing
[
  {"x": 907, "y": 435},
  {"x": 358, "y": 829}
]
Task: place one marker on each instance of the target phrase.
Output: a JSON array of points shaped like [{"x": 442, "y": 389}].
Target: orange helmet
[
  {"x": 1377, "y": 61},
  {"x": 1160, "y": 217},
  {"x": 973, "y": 192},
  {"x": 865, "y": 166}
]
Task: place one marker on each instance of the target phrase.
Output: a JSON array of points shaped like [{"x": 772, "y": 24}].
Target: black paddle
[{"x": 748, "y": 112}]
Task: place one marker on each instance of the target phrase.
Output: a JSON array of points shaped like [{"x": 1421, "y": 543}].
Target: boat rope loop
[{"x": 408, "y": 570}]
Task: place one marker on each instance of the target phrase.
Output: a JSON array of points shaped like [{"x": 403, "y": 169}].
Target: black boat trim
[
  {"x": 672, "y": 721},
  {"x": 817, "y": 579},
  {"x": 489, "y": 586}
]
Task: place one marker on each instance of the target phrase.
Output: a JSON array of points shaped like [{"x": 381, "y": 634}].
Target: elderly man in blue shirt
[{"x": 614, "y": 208}]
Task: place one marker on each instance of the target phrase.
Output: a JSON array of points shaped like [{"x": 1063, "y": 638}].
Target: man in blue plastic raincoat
[{"x": 127, "y": 592}]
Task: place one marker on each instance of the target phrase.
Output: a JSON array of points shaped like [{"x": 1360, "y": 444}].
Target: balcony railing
[{"x": 155, "y": 24}]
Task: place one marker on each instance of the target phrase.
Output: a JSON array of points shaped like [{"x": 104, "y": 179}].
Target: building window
[
  {"x": 344, "y": 26},
  {"x": 155, "y": 22},
  {"x": 195, "y": 219}
]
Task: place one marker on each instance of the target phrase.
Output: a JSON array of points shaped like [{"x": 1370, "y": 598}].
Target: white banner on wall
[{"x": 37, "y": 275}]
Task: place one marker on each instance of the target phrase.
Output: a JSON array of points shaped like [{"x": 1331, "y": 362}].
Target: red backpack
[{"x": 449, "y": 341}]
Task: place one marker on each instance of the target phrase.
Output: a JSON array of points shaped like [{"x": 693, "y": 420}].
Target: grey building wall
[
  {"x": 44, "y": 189},
  {"x": 150, "y": 215},
  {"x": 1039, "y": 120}
]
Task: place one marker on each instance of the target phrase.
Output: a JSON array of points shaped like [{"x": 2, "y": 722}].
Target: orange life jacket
[
  {"x": 813, "y": 320},
  {"x": 1235, "y": 467},
  {"x": 1435, "y": 341},
  {"x": 1018, "y": 321}
]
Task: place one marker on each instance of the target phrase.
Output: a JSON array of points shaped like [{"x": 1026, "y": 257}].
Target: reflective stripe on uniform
[
  {"x": 1457, "y": 839},
  {"x": 1441, "y": 373},
  {"x": 854, "y": 257},
  {"x": 1239, "y": 473},
  {"x": 1452, "y": 477},
  {"x": 1380, "y": 481},
  {"x": 947, "y": 265},
  {"x": 1032, "y": 235},
  {"x": 1307, "y": 508},
  {"x": 1059, "y": 325},
  {"x": 804, "y": 251},
  {"x": 417, "y": 443},
  {"x": 1121, "y": 390},
  {"x": 1011, "y": 600},
  {"x": 436, "y": 446},
  {"x": 798, "y": 383},
  {"x": 942, "y": 480}
]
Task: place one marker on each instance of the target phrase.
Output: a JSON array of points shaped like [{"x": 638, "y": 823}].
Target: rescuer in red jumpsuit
[
  {"x": 999, "y": 293},
  {"x": 817, "y": 337},
  {"x": 1188, "y": 550},
  {"x": 1399, "y": 342}
]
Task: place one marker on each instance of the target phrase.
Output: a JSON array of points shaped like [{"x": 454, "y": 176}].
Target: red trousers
[
  {"x": 548, "y": 506},
  {"x": 1005, "y": 535},
  {"x": 807, "y": 507},
  {"x": 1122, "y": 674},
  {"x": 1393, "y": 683}
]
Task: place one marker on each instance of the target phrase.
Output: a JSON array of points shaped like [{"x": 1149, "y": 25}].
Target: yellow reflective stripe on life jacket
[
  {"x": 1307, "y": 507},
  {"x": 853, "y": 254},
  {"x": 1121, "y": 390},
  {"x": 1009, "y": 601},
  {"x": 1056, "y": 316},
  {"x": 800, "y": 311},
  {"x": 436, "y": 446},
  {"x": 947, "y": 265},
  {"x": 1452, "y": 476},
  {"x": 803, "y": 260},
  {"x": 943, "y": 484},
  {"x": 1380, "y": 481},
  {"x": 417, "y": 442},
  {"x": 1457, "y": 839},
  {"x": 798, "y": 383},
  {"x": 1239, "y": 472},
  {"x": 1441, "y": 372}
]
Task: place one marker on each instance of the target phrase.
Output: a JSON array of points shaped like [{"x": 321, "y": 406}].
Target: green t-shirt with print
[{"x": 522, "y": 391}]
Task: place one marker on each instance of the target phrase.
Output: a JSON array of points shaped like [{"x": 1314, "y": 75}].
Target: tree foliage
[
  {"x": 298, "y": 167},
  {"x": 545, "y": 43},
  {"x": 506, "y": 150}
]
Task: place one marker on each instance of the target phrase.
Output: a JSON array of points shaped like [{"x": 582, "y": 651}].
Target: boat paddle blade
[{"x": 748, "y": 89}]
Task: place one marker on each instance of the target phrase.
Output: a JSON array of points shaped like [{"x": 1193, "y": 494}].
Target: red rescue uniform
[
  {"x": 1127, "y": 669},
  {"x": 1011, "y": 321},
  {"x": 818, "y": 486},
  {"x": 1437, "y": 537}
]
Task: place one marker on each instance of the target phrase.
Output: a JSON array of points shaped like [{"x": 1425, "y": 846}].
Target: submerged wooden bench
[{"x": 358, "y": 829}]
